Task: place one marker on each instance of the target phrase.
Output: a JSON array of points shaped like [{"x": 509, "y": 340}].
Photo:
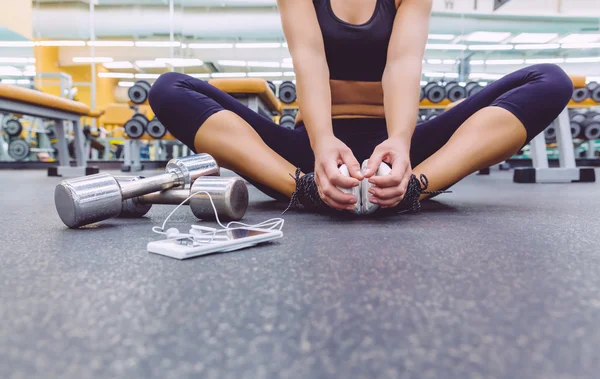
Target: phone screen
[{"x": 243, "y": 233}]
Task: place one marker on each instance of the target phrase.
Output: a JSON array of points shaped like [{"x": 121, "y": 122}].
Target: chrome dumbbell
[
  {"x": 94, "y": 198},
  {"x": 230, "y": 196}
]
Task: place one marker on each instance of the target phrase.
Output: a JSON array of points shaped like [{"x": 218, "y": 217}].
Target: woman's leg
[
  {"x": 210, "y": 121},
  {"x": 491, "y": 126}
]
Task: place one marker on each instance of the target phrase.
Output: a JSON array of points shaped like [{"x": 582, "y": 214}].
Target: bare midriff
[{"x": 351, "y": 99}]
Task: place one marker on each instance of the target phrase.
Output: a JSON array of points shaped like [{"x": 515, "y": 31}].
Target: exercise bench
[{"x": 14, "y": 99}]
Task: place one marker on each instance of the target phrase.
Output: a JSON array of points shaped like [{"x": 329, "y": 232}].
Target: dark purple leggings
[{"x": 535, "y": 95}]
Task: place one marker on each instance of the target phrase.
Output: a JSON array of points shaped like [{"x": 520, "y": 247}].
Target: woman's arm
[
  {"x": 401, "y": 80},
  {"x": 402, "y": 75},
  {"x": 305, "y": 42}
]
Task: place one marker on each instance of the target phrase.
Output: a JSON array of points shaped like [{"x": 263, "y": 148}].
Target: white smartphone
[{"x": 235, "y": 239}]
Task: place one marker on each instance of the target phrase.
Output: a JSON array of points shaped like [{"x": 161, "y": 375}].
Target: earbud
[{"x": 172, "y": 233}]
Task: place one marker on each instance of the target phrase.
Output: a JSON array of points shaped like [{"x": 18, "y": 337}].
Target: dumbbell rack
[
  {"x": 567, "y": 172},
  {"x": 131, "y": 156}
]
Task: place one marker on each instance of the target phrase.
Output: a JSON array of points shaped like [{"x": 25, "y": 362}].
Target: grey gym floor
[{"x": 496, "y": 280}]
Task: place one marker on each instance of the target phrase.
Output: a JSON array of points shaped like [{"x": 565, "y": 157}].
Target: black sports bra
[{"x": 356, "y": 52}]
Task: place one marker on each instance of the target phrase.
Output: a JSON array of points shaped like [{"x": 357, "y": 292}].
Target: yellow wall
[
  {"x": 16, "y": 15},
  {"x": 47, "y": 62}
]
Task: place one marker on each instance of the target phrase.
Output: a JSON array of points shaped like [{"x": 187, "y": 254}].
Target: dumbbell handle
[
  {"x": 229, "y": 196},
  {"x": 160, "y": 182},
  {"x": 176, "y": 175},
  {"x": 174, "y": 196}
]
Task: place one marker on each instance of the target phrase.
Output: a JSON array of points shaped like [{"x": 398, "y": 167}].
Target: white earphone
[{"x": 204, "y": 234}]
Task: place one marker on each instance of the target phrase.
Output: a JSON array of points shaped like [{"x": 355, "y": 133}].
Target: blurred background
[{"x": 95, "y": 51}]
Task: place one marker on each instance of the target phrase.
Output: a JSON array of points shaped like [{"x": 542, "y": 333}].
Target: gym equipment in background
[
  {"x": 568, "y": 172},
  {"x": 421, "y": 94},
  {"x": 156, "y": 129},
  {"x": 595, "y": 93},
  {"x": 432, "y": 115},
  {"x": 287, "y": 92},
  {"x": 287, "y": 120},
  {"x": 591, "y": 128},
  {"x": 138, "y": 93},
  {"x": 434, "y": 92},
  {"x": 83, "y": 201},
  {"x": 18, "y": 149},
  {"x": 550, "y": 134},
  {"x": 472, "y": 88},
  {"x": 13, "y": 127},
  {"x": 135, "y": 127},
  {"x": 454, "y": 91},
  {"x": 272, "y": 87},
  {"x": 230, "y": 196},
  {"x": 580, "y": 94}
]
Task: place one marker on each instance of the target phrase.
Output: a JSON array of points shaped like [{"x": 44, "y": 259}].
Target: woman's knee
[
  {"x": 164, "y": 89},
  {"x": 558, "y": 86}
]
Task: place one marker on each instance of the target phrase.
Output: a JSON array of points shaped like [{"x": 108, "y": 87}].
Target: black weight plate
[
  {"x": 450, "y": 84},
  {"x": 144, "y": 84},
  {"x": 13, "y": 127},
  {"x": 592, "y": 131},
  {"x": 474, "y": 90},
  {"x": 580, "y": 94},
  {"x": 596, "y": 95},
  {"x": 143, "y": 119},
  {"x": 456, "y": 93},
  {"x": 578, "y": 118},
  {"x": 18, "y": 149},
  {"x": 592, "y": 86},
  {"x": 134, "y": 128},
  {"x": 470, "y": 86},
  {"x": 575, "y": 130},
  {"x": 435, "y": 94},
  {"x": 550, "y": 134},
  {"x": 429, "y": 85},
  {"x": 156, "y": 129},
  {"x": 272, "y": 86},
  {"x": 287, "y": 121},
  {"x": 287, "y": 92},
  {"x": 137, "y": 94}
]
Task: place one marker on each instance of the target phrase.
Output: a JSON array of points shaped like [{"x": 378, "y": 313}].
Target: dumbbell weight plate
[
  {"x": 429, "y": 85},
  {"x": 470, "y": 85},
  {"x": 580, "y": 94},
  {"x": 287, "y": 121},
  {"x": 550, "y": 134},
  {"x": 591, "y": 130},
  {"x": 138, "y": 93},
  {"x": 143, "y": 119},
  {"x": 435, "y": 93},
  {"x": 592, "y": 86},
  {"x": 156, "y": 129},
  {"x": 13, "y": 127},
  {"x": 272, "y": 86},
  {"x": 455, "y": 92},
  {"x": 596, "y": 94},
  {"x": 450, "y": 84},
  {"x": 287, "y": 92},
  {"x": 575, "y": 130},
  {"x": 474, "y": 90},
  {"x": 578, "y": 118},
  {"x": 134, "y": 128},
  {"x": 18, "y": 149}
]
